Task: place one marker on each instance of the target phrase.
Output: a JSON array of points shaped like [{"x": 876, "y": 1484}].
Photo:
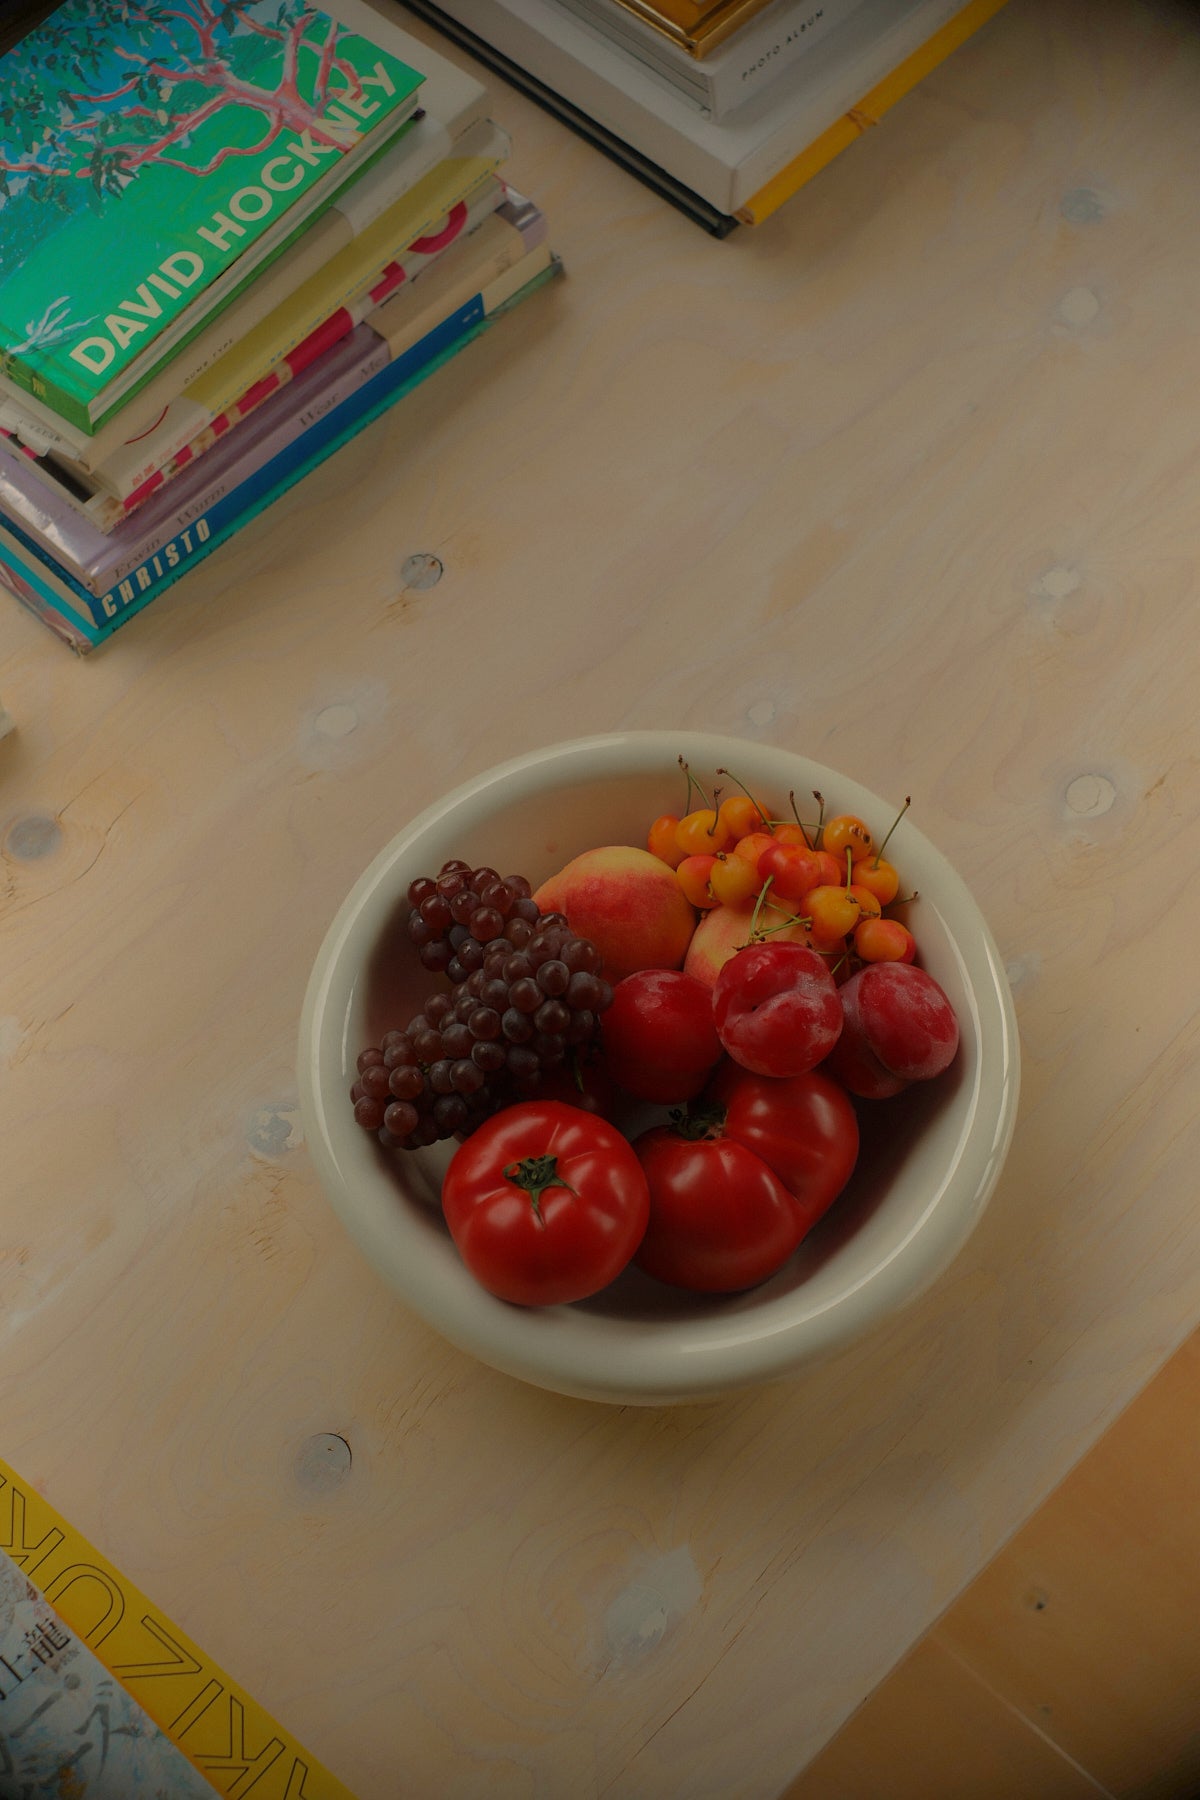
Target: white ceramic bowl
[{"x": 917, "y": 1193}]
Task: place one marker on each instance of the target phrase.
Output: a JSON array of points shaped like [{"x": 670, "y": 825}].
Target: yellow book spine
[
  {"x": 344, "y": 279},
  {"x": 224, "y": 1733},
  {"x": 870, "y": 109}
]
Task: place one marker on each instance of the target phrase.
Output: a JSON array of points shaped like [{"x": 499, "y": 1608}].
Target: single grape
[
  {"x": 435, "y": 957},
  {"x": 436, "y": 912},
  {"x": 426, "y": 1041},
  {"x": 449, "y": 1115},
  {"x": 553, "y": 977},
  {"x": 467, "y": 1076},
  {"x": 463, "y": 905},
  {"x": 486, "y": 924},
  {"x": 456, "y": 1039},
  {"x": 423, "y": 888},
  {"x": 583, "y": 990},
  {"x": 516, "y": 1026},
  {"x": 581, "y": 955},
  {"x": 471, "y": 955},
  {"x": 520, "y": 886},
  {"x": 525, "y": 908},
  {"x": 552, "y": 1016},
  {"x": 518, "y": 932},
  {"x": 494, "y": 993},
  {"x": 456, "y": 971},
  {"x": 368, "y": 1113},
  {"x": 484, "y": 1022},
  {"x": 401, "y": 1118},
  {"x": 487, "y": 1054},
  {"x": 419, "y": 932},
  {"x": 525, "y": 995},
  {"x": 437, "y": 1007},
  {"x": 368, "y": 1058},
  {"x": 451, "y": 882},
  {"x": 406, "y": 1082},
  {"x": 374, "y": 1081},
  {"x": 439, "y": 1076}
]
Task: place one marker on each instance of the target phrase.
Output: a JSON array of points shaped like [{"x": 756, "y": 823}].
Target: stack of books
[
  {"x": 725, "y": 107},
  {"x": 231, "y": 235}
]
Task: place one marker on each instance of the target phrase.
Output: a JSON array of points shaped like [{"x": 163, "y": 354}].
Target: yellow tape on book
[
  {"x": 868, "y": 112},
  {"x": 226, "y": 1735}
]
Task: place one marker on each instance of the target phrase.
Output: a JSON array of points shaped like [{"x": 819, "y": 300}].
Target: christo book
[{"x": 155, "y": 155}]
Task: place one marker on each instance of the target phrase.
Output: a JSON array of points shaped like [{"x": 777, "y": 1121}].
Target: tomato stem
[
  {"x": 699, "y": 1119},
  {"x": 534, "y": 1175}
]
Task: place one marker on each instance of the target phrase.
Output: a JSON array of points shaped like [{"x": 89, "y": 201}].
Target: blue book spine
[{"x": 250, "y": 497}]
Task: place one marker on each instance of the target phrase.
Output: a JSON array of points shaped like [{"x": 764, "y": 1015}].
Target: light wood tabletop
[{"x": 906, "y": 480}]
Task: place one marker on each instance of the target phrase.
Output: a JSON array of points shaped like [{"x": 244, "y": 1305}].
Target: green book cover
[{"x": 149, "y": 147}]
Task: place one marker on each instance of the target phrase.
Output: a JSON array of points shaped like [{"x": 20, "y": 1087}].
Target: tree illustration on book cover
[{"x": 145, "y": 147}]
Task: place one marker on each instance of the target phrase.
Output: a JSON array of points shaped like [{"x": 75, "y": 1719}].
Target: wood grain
[{"x": 907, "y": 480}]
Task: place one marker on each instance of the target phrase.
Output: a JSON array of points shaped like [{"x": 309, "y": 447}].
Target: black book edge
[{"x": 699, "y": 210}]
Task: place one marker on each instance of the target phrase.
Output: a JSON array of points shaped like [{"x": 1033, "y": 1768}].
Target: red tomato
[
  {"x": 546, "y": 1203},
  {"x": 764, "y": 1160}
]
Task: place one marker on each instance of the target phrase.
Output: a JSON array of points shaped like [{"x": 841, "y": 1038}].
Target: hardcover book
[
  {"x": 698, "y": 25},
  {"x": 178, "y": 521},
  {"x": 153, "y": 155},
  {"x": 64, "y": 606},
  {"x": 453, "y": 104},
  {"x": 755, "y": 58}
]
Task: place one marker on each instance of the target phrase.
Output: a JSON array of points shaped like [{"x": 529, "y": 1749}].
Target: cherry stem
[
  {"x": 761, "y": 810},
  {"x": 766, "y": 931},
  {"x": 849, "y": 868},
  {"x": 798, "y": 819},
  {"x": 691, "y": 783},
  {"x": 758, "y": 906},
  {"x": 904, "y": 899},
  {"x": 535, "y": 1174},
  {"x": 820, "y": 800},
  {"x": 892, "y": 827},
  {"x": 712, "y": 830}
]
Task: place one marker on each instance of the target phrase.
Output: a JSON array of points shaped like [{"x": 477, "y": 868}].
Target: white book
[
  {"x": 453, "y": 100},
  {"x": 726, "y": 162},
  {"x": 738, "y": 69}
]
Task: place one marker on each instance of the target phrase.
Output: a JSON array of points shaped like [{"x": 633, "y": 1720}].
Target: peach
[
  {"x": 630, "y": 905},
  {"x": 723, "y": 931}
]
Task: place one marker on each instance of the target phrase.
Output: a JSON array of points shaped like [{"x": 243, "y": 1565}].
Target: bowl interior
[{"x": 928, "y": 1161}]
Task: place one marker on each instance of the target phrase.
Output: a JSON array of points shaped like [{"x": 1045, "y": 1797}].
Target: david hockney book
[
  {"x": 452, "y": 199},
  {"x": 155, "y": 153},
  {"x": 453, "y": 105},
  {"x": 97, "y": 577}
]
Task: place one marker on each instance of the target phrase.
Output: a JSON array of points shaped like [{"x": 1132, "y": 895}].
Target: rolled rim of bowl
[{"x": 569, "y": 1349}]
